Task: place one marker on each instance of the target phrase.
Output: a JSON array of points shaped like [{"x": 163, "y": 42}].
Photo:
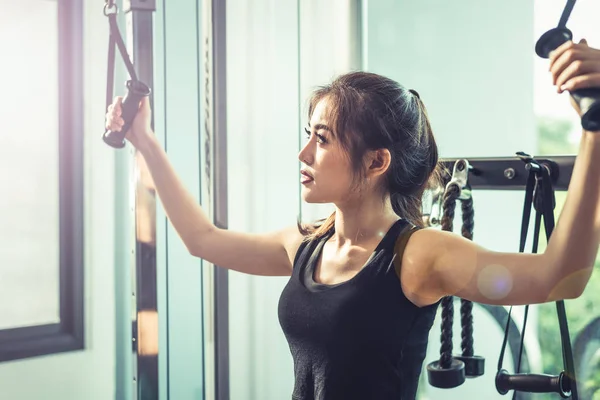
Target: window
[{"x": 41, "y": 207}]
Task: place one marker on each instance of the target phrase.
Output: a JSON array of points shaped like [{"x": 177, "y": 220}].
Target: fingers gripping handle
[
  {"x": 587, "y": 99},
  {"x": 533, "y": 383},
  {"x": 589, "y": 104},
  {"x": 136, "y": 90}
]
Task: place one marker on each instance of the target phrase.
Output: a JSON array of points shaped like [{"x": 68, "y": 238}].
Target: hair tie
[{"x": 415, "y": 93}]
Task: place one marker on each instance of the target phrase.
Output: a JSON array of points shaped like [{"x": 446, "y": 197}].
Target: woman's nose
[{"x": 305, "y": 154}]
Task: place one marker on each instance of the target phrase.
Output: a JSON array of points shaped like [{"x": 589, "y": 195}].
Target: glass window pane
[
  {"x": 558, "y": 126},
  {"x": 29, "y": 232}
]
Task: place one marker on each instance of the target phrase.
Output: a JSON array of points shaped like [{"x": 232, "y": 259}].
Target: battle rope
[{"x": 450, "y": 371}]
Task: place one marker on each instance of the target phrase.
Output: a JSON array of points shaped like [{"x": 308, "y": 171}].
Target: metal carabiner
[
  {"x": 432, "y": 206},
  {"x": 110, "y": 8},
  {"x": 460, "y": 177}
]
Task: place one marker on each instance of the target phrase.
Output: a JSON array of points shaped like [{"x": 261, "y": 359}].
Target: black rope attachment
[{"x": 450, "y": 371}]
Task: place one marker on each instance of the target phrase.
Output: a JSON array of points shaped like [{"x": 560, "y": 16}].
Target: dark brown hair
[{"x": 369, "y": 112}]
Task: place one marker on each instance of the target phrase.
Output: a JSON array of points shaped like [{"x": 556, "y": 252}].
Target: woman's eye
[{"x": 320, "y": 138}]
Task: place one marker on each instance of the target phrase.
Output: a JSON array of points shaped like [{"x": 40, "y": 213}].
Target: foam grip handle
[
  {"x": 589, "y": 104},
  {"x": 533, "y": 383},
  {"x": 588, "y": 100},
  {"x": 136, "y": 90}
]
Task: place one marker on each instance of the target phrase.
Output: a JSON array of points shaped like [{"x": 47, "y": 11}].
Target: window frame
[{"x": 68, "y": 334}]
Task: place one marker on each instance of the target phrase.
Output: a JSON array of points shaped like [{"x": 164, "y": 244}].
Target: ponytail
[
  {"x": 407, "y": 195},
  {"x": 317, "y": 230}
]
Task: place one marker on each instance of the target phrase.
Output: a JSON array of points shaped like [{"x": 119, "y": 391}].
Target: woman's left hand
[{"x": 575, "y": 66}]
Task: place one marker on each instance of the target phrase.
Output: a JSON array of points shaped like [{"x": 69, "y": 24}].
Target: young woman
[{"x": 365, "y": 283}]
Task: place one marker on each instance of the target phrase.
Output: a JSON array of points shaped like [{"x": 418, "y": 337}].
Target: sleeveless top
[{"x": 359, "y": 339}]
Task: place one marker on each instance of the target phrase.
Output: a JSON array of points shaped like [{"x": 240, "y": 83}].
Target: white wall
[
  {"x": 330, "y": 45},
  {"x": 278, "y": 51},
  {"x": 263, "y": 133},
  {"x": 88, "y": 374}
]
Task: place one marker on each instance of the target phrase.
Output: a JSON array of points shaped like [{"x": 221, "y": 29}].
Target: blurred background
[{"x": 99, "y": 299}]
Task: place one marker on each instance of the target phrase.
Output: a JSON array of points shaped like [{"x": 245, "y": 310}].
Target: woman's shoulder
[
  {"x": 292, "y": 239},
  {"x": 423, "y": 241},
  {"x": 415, "y": 246},
  {"x": 416, "y": 250}
]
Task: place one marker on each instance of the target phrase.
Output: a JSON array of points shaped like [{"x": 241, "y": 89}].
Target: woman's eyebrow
[{"x": 322, "y": 127}]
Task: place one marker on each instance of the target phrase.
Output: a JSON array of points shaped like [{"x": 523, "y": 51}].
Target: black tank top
[{"x": 359, "y": 339}]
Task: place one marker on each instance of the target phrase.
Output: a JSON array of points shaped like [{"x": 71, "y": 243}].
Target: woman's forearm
[
  {"x": 573, "y": 246},
  {"x": 184, "y": 212}
]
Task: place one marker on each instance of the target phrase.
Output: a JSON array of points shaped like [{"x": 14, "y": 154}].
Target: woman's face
[{"x": 326, "y": 175}]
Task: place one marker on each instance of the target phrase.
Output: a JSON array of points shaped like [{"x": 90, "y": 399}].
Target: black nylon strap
[
  {"x": 539, "y": 192},
  {"x": 536, "y": 237},
  {"x": 529, "y": 188},
  {"x": 566, "y": 13},
  {"x": 118, "y": 39},
  {"x": 115, "y": 40},
  {"x": 569, "y": 364}
]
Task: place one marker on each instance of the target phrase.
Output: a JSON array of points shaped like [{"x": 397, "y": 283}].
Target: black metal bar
[
  {"x": 221, "y": 314},
  {"x": 27, "y": 333},
  {"x": 39, "y": 346},
  {"x": 140, "y": 31},
  {"x": 510, "y": 173},
  {"x": 71, "y": 101}
]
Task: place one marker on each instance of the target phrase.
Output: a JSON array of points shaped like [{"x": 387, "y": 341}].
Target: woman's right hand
[
  {"x": 140, "y": 129},
  {"x": 575, "y": 66}
]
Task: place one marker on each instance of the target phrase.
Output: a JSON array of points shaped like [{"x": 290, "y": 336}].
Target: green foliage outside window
[{"x": 553, "y": 137}]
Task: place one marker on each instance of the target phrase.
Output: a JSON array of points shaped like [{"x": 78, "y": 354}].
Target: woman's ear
[{"x": 378, "y": 161}]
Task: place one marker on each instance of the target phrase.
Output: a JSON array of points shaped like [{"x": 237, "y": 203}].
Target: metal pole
[
  {"x": 219, "y": 40},
  {"x": 139, "y": 16}
]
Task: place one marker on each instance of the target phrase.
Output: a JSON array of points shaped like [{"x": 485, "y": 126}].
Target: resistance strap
[
  {"x": 566, "y": 14},
  {"x": 136, "y": 90},
  {"x": 540, "y": 194},
  {"x": 115, "y": 40}
]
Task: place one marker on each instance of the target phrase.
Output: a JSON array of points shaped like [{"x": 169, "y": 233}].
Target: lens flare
[{"x": 495, "y": 282}]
